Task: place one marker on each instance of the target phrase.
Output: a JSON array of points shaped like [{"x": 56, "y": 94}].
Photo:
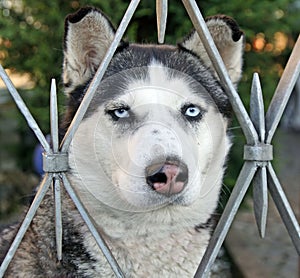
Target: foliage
[
  {"x": 14, "y": 193},
  {"x": 32, "y": 31}
]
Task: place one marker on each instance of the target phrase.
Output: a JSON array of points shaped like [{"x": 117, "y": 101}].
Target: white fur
[
  {"x": 230, "y": 51},
  {"x": 85, "y": 54},
  {"x": 108, "y": 172},
  {"x": 150, "y": 234}
]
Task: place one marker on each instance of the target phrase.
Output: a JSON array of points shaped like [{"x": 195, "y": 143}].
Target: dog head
[{"x": 154, "y": 138}]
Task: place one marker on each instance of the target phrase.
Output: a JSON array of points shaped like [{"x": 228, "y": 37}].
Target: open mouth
[{"x": 167, "y": 178}]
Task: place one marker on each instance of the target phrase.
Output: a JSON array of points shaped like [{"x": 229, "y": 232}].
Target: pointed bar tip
[
  {"x": 53, "y": 85},
  {"x": 256, "y": 86},
  {"x": 161, "y": 15},
  {"x": 257, "y": 111},
  {"x": 54, "y": 116}
]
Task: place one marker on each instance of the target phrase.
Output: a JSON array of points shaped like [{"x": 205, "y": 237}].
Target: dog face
[{"x": 154, "y": 138}]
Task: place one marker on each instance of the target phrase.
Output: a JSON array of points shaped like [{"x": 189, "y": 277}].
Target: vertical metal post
[
  {"x": 260, "y": 199},
  {"x": 260, "y": 187},
  {"x": 56, "y": 182},
  {"x": 58, "y": 216}
]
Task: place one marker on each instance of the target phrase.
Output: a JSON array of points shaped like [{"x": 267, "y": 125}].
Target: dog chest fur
[{"x": 151, "y": 254}]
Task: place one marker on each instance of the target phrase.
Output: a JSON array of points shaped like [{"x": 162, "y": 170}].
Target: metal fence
[{"x": 257, "y": 127}]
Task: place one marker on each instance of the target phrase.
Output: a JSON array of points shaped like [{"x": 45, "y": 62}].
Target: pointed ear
[
  {"x": 88, "y": 35},
  {"x": 229, "y": 40}
]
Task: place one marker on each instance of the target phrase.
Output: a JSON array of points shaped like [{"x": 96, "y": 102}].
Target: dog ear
[
  {"x": 88, "y": 35},
  {"x": 229, "y": 40}
]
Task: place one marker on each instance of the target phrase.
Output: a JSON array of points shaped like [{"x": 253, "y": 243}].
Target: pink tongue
[{"x": 169, "y": 187}]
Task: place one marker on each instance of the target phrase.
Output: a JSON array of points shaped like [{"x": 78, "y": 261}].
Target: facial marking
[{"x": 161, "y": 121}]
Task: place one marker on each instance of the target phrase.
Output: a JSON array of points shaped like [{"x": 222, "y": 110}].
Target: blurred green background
[{"x": 31, "y": 35}]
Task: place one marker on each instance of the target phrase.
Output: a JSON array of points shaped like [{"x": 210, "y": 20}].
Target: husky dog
[{"x": 148, "y": 159}]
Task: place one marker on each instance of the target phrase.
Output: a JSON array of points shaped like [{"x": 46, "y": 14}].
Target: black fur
[
  {"x": 80, "y": 14},
  {"x": 236, "y": 31}
]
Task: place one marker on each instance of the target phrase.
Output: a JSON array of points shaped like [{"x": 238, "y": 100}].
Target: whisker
[
  {"x": 224, "y": 196},
  {"x": 234, "y": 127}
]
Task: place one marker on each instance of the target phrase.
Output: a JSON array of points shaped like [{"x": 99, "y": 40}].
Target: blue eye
[
  {"x": 192, "y": 111},
  {"x": 121, "y": 113}
]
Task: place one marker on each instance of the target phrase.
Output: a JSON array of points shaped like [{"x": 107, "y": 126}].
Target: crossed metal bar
[
  {"x": 258, "y": 152},
  {"x": 258, "y": 129}
]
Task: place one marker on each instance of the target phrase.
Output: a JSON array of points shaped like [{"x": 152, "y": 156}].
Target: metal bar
[
  {"x": 24, "y": 110},
  {"x": 217, "y": 239},
  {"x": 56, "y": 182},
  {"x": 260, "y": 199},
  {"x": 101, "y": 243},
  {"x": 44, "y": 186},
  {"x": 98, "y": 76},
  {"x": 284, "y": 207},
  {"x": 54, "y": 117},
  {"x": 283, "y": 91},
  {"x": 207, "y": 40},
  {"x": 260, "y": 188},
  {"x": 257, "y": 110},
  {"x": 161, "y": 16},
  {"x": 58, "y": 217}
]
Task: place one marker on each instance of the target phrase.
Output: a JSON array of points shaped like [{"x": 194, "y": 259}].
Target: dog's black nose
[{"x": 168, "y": 178}]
